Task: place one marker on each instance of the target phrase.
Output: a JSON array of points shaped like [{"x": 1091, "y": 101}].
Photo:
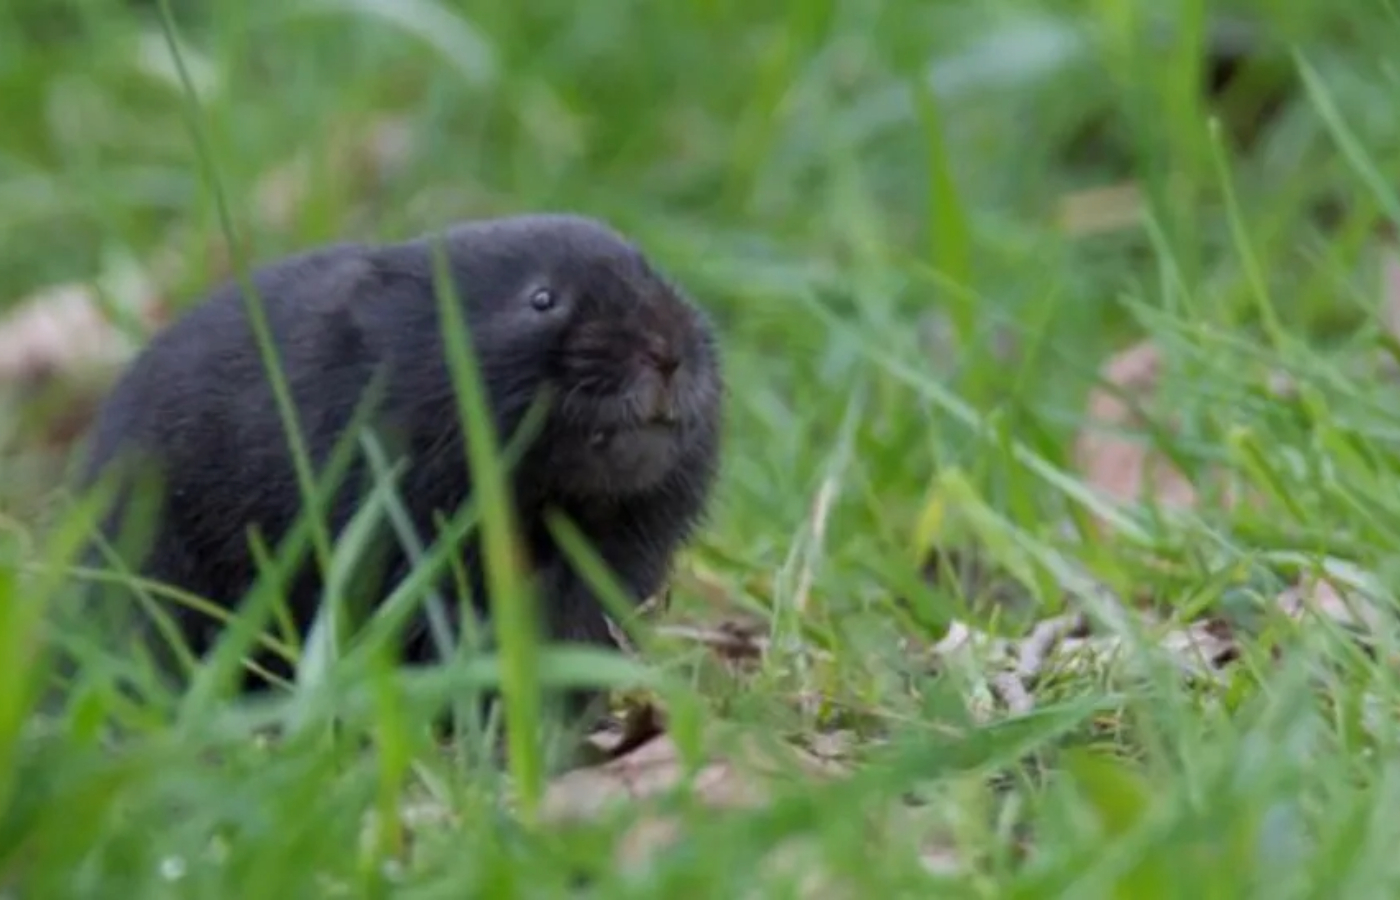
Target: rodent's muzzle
[
  {"x": 661, "y": 396},
  {"x": 662, "y": 407},
  {"x": 650, "y": 401},
  {"x": 662, "y": 403},
  {"x": 627, "y": 417},
  {"x": 632, "y": 402}
]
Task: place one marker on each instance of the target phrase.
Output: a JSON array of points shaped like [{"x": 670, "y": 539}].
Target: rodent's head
[{"x": 629, "y": 364}]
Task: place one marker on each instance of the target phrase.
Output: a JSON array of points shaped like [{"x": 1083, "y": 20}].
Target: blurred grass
[{"x": 866, "y": 196}]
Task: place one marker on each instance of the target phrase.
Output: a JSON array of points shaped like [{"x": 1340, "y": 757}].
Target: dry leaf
[
  {"x": 585, "y": 793},
  {"x": 620, "y": 735},
  {"x": 1086, "y": 656},
  {"x": 1112, "y": 451},
  {"x": 939, "y": 858},
  {"x": 1012, "y": 667},
  {"x": 1321, "y": 596},
  {"x": 1013, "y": 692},
  {"x": 1123, "y": 468},
  {"x": 832, "y": 745},
  {"x": 1005, "y": 672},
  {"x": 63, "y": 329},
  {"x": 656, "y": 767},
  {"x": 963, "y": 644},
  {"x": 731, "y": 781},
  {"x": 732, "y": 640},
  {"x": 653, "y": 768},
  {"x": 1203, "y": 647},
  {"x": 646, "y": 836},
  {"x": 58, "y": 350},
  {"x": 958, "y": 636}
]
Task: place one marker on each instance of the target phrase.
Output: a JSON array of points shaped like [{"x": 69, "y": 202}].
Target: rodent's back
[
  {"x": 202, "y": 379},
  {"x": 196, "y": 409}
]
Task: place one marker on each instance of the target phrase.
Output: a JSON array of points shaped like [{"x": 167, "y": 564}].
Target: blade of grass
[{"x": 513, "y": 606}]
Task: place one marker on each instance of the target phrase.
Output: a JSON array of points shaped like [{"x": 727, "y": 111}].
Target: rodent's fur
[{"x": 629, "y": 456}]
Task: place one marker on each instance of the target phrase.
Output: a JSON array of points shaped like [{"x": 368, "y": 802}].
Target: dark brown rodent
[{"x": 628, "y": 449}]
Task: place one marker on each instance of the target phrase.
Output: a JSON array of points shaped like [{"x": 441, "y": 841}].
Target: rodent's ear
[{"x": 380, "y": 298}]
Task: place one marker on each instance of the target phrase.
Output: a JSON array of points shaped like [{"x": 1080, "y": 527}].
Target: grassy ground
[{"x": 869, "y": 197}]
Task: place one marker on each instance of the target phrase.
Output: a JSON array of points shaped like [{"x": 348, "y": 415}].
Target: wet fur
[{"x": 197, "y": 405}]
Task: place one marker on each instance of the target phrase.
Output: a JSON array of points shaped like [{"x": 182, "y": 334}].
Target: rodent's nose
[
  {"x": 660, "y": 356},
  {"x": 660, "y": 391}
]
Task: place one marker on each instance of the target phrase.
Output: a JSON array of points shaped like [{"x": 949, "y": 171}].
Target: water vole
[{"x": 628, "y": 448}]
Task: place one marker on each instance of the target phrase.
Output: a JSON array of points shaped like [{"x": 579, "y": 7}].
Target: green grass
[{"x": 865, "y": 196}]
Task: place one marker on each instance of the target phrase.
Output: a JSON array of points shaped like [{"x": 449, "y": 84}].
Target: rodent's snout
[
  {"x": 639, "y": 392},
  {"x": 660, "y": 363},
  {"x": 661, "y": 356},
  {"x": 644, "y": 367}
]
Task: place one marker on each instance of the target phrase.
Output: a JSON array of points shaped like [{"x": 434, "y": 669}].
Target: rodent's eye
[{"x": 543, "y": 299}]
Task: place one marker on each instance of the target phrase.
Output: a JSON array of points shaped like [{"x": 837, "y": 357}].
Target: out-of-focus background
[
  {"x": 1051, "y": 330},
  {"x": 964, "y": 182}
]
